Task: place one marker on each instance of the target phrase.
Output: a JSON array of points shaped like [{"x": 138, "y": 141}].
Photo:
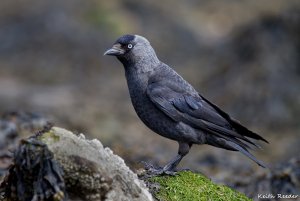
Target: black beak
[{"x": 116, "y": 50}]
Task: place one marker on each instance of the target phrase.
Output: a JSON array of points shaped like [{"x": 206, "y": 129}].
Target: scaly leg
[{"x": 169, "y": 169}]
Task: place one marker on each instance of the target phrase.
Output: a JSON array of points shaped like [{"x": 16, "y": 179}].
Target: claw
[
  {"x": 170, "y": 173},
  {"x": 155, "y": 171}
]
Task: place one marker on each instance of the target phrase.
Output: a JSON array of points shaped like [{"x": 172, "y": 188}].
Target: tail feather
[
  {"x": 230, "y": 133},
  {"x": 246, "y": 153},
  {"x": 235, "y": 124},
  {"x": 233, "y": 144}
]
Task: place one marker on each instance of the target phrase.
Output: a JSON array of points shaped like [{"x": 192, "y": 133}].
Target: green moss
[
  {"x": 49, "y": 137},
  {"x": 189, "y": 186}
]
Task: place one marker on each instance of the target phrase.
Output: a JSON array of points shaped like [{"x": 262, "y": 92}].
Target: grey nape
[{"x": 172, "y": 108}]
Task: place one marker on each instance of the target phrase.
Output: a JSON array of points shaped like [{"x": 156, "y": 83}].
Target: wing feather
[{"x": 196, "y": 111}]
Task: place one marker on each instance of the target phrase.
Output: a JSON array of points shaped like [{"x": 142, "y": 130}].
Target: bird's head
[{"x": 132, "y": 49}]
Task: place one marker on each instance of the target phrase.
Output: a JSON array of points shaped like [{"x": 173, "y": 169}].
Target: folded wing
[{"x": 199, "y": 113}]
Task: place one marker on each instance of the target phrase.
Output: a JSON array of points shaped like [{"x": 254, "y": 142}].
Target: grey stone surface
[{"x": 93, "y": 172}]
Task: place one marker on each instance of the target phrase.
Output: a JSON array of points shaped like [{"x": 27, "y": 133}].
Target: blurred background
[{"x": 242, "y": 55}]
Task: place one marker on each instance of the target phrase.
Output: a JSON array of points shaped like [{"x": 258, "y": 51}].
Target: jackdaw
[{"x": 172, "y": 108}]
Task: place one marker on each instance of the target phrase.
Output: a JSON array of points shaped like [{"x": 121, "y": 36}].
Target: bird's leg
[
  {"x": 183, "y": 150},
  {"x": 169, "y": 169}
]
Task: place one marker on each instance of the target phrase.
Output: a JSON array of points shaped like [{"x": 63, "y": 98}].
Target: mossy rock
[{"x": 188, "y": 186}]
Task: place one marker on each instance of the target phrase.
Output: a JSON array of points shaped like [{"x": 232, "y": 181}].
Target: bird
[{"x": 171, "y": 107}]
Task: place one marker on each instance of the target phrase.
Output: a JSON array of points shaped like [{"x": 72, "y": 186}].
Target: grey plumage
[{"x": 171, "y": 107}]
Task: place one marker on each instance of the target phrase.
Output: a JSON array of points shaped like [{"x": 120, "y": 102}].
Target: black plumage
[{"x": 171, "y": 107}]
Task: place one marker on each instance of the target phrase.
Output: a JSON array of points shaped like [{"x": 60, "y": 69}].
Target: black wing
[{"x": 199, "y": 113}]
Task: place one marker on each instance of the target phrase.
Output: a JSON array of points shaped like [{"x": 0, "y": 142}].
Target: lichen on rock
[{"x": 93, "y": 172}]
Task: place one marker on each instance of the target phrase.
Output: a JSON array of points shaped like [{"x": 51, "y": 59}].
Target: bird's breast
[
  {"x": 151, "y": 116},
  {"x": 137, "y": 86}
]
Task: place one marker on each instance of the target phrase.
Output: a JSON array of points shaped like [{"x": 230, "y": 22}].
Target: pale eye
[{"x": 129, "y": 46}]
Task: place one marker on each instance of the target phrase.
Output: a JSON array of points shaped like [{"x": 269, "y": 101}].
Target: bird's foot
[
  {"x": 183, "y": 169},
  {"x": 155, "y": 171}
]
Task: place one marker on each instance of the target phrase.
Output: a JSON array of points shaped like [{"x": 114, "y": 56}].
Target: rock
[
  {"x": 25, "y": 123},
  {"x": 34, "y": 175},
  {"x": 55, "y": 164},
  {"x": 15, "y": 125},
  {"x": 93, "y": 172},
  {"x": 8, "y": 133},
  {"x": 282, "y": 180}
]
